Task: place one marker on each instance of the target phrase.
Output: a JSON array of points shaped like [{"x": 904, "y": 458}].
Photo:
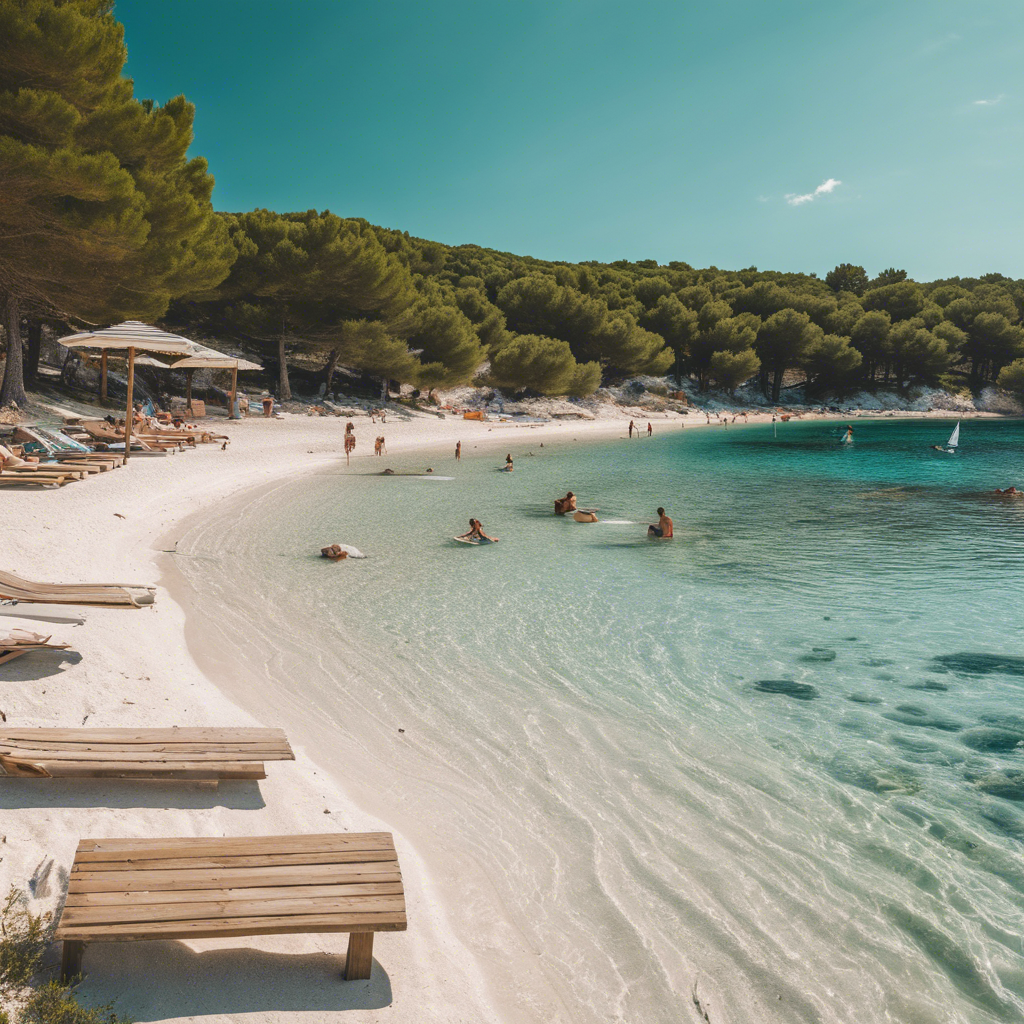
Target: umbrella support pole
[
  {"x": 128, "y": 418},
  {"x": 232, "y": 415},
  {"x": 188, "y": 391},
  {"x": 103, "y": 375}
]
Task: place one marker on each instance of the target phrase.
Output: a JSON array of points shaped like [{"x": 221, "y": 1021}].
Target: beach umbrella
[
  {"x": 133, "y": 337},
  {"x": 210, "y": 359}
]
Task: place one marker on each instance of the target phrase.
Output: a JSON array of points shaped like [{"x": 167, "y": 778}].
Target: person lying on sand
[
  {"x": 566, "y": 504},
  {"x": 663, "y": 528},
  {"x": 334, "y": 552},
  {"x": 476, "y": 532}
]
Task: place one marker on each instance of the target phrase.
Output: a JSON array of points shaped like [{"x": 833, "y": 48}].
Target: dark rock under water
[
  {"x": 972, "y": 664},
  {"x": 988, "y": 738},
  {"x": 787, "y": 688}
]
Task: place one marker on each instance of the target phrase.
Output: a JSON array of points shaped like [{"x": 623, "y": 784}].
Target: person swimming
[
  {"x": 566, "y": 504},
  {"x": 476, "y": 532},
  {"x": 663, "y": 528}
]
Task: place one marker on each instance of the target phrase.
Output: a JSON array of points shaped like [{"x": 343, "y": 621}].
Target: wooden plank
[
  {"x": 79, "y": 917},
  {"x": 156, "y": 757},
  {"x": 125, "y": 898},
  {"x": 212, "y": 845},
  {"x": 110, "y": 861},
  {"x": 213, "y": 929},
  {"x": 225, "y": 734},
  {"x": 256, "y": 861},
  {"x": 34, "y": 743},
  {"x": 233, "y": 878},
  {"x": 233, "y": 849},
  {"x": 209, "y": 770}
]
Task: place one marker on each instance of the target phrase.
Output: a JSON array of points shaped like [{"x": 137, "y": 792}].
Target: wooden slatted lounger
[
  {"x": 21, "y": 641},
  {"x": 127, "y": 890},
  {"x": 204, "y": 754},
  {"x": 8, "y": 479},
  {"x": 123, "y": 595}
]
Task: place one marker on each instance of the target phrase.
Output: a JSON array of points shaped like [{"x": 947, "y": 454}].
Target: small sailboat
[{"x": 952, "y": 443}]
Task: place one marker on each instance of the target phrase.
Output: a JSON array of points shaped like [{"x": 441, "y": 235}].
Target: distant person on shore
[
  {"x": 476, "y": 532},
  {"x": 650, "y": 430},
  {"x": 631, "y": 429},
  {"x": 565, "y": 505},
  {"x": 663, "y": 528},
  {"x": 458, "y": 451}
]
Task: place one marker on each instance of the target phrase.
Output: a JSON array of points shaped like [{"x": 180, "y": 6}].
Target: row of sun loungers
[{"x": 127, "y": 890}]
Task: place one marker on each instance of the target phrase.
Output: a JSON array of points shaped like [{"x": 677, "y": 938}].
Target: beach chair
[
  {"x": 199, "y": 755},
  {"x": 21, "y": 641},
  {"x": 13, "y": 478},
  {"x": 133, "y": 890},
  {"x": 127, "y": 595}
]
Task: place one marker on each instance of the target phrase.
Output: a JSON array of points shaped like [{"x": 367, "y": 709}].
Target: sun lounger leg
[
  {"x": 71, "y": 959},
  {"x": 359, "y": 959}
]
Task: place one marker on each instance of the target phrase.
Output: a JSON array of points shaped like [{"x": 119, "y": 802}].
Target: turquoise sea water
[{"x": 779, "y": 756}]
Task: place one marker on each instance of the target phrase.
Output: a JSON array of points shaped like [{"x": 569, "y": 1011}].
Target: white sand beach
[{"x": 133, "y": 668}]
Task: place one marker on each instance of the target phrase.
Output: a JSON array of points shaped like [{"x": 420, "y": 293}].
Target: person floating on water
[
  {"x": 335, "y": 552},
  {"x": 1012, "y": 491},
  {"x": 566, "y": 504},
  {"x": 663, "y": 528},
  {"x": 476, "y": 532},
  {"x": 458, "y": 451}
]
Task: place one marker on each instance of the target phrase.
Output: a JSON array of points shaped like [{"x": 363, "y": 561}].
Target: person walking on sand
[
  {"x": 650, "y": 430},
  {"x": 631, "y": 429},
  {"x": 663, "y": 528},
  {"x": 458, "y": 451}
]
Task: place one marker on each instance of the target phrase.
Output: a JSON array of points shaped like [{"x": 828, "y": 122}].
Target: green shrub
[
  {"x": 23, "y": 940},
  {"x": 54, "y": 1004}
]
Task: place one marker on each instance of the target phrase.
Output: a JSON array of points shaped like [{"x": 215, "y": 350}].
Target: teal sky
[{"x": 586, "y": 129}]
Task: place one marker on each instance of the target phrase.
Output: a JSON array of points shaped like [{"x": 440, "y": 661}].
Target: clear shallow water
[{"x": 777, "y": 756}]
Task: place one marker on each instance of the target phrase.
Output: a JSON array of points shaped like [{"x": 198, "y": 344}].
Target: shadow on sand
[
  {"x": 85, "y": 793},
  {"x": 152, "y": 981}
]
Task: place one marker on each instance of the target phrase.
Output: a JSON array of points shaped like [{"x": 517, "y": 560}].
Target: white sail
[{"x": 954, "y": 438}]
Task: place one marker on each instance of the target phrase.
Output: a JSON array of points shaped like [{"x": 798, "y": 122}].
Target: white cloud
[
  {"x": 992, "y": 102},
  {"x": 828, "y": 185}
]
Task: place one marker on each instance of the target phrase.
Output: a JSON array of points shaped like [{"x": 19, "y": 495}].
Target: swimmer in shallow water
[
  {"x": 566, "y": 504},
  {"x": 335, "y": 552},
  {"x": 476, "y": 532},
  {"x": 663, "y": 528}
]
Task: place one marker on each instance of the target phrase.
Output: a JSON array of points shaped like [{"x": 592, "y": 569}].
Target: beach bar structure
[
  {"x": 131, "y": 336},
  {"x": 209, "y": 359}
]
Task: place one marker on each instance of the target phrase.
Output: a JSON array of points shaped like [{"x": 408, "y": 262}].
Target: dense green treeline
[{"x": 104, "y": 217}]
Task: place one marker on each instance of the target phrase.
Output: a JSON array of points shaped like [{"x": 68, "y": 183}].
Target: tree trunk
[
  {"x": 35, "y": 341},
  {"x": 332, "y": 365},
  {"x": 777, "y": 383},
  {"x": 12, "y": 391},
  {"x": 284, "y": 388}
]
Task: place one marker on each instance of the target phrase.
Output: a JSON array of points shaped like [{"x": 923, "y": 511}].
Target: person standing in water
[
  {"x": 458, "y": 451},
  {"x": 631, "y": 429},
  {"x": 663, "y": 528},
  {"x": 508, "y": 463},
  {"x": 650, "y": 430},
  {"x": 566, "y": 504},
  {"x": 849, "y": 435}
]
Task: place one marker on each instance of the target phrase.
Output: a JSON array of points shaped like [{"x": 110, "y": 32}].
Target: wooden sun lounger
[
  {"x": 21, "y": 641},
  {"x": 123, "y": 595},
  {"x": 130, "y": 890},
  {"x": 205, "y": 755},
  {"x": 12, "y": 479}
]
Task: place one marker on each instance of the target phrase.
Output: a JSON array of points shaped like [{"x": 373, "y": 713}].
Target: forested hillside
[{"x": 420, "y": 312}]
